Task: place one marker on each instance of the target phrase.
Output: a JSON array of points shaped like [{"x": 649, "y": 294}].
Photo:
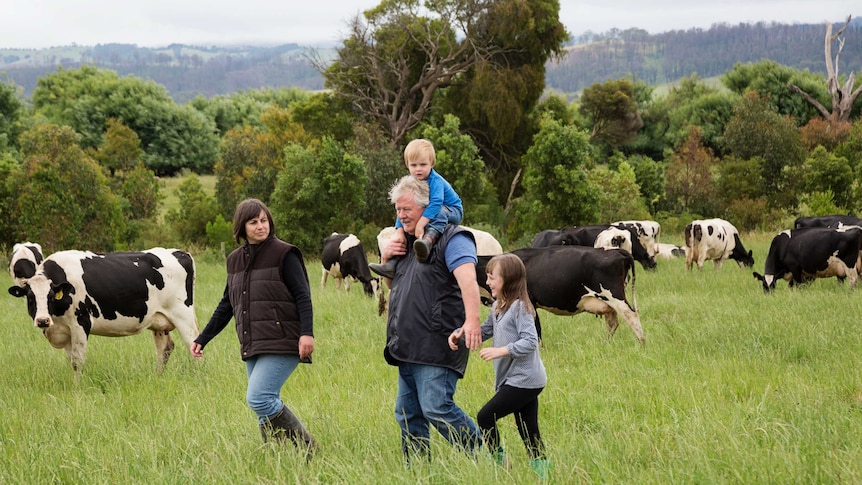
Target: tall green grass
[{"x": 733, "y": 386}]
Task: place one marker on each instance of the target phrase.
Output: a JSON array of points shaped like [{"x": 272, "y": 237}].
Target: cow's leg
[
  {"x": 852, "y": 277},
  {"x": 630, "y": 316},
  {"x": 164, "y": 347},
  {"x": 77, "y": 349},
  {"x": 347, "y": 283},
  {"x": 605, "y": 303},
  {"x": 612, "y": 323},
  {"x": 538, "y": 328},
  {"x": 718, "y": 263},
  {"x": 689, "y": 258},
  {"x": 184, "y": 321},
  {"x": 323, "y": 279}
]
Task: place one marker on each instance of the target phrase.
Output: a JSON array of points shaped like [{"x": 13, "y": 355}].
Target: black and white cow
[
  {"x": 26, "y": 257},
  {"x": 486, "y": 245},
  {"x": 826, "y": 221},
  {"x": 553, "y": 237},
  {"x": 75, "y": 294},
  {"x": 647, "y": 232},
  {"x": 669, "y": 251},
  {"x": 568, "y": 280},
  {"x": 588, "y": 235},
  {"x": 344, "y": 258},
  {"x": 614, "y": 238},
  {"x": 801, "y": 255},
  {"x": 714, "y": 240}
]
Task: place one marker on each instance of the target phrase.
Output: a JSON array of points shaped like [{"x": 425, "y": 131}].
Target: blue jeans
[
  {"x": 447, "y": 215},
  {"x": 425, "y": 398},
  {"x": 267, "y": 373}
]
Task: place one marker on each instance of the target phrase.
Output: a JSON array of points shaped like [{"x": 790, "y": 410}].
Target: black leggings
[{"x": 524, "y": 403}]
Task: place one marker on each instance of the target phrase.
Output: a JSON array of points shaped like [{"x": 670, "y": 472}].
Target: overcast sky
[{"x": 156, "y": 23}]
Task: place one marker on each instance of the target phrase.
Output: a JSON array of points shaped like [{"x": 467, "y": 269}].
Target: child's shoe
[
  {"x": 422, "y": 247},
  {"x": 386, "y": 270},
  {"x": 541, "y": 467}
]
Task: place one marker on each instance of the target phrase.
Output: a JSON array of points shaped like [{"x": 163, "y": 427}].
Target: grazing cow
[
  {"x": 25, "y": 258},
  {"x": 587, "y": 236},
  {"x": 669, "y": 251},
  {"x": 344, "y": 258},
  {"x": 647, "y": 232},
  {"x": 486, "y": 244},
  {"x": 75, "y": 294},
  {"x": 716, "y": 240},
  {"x": 801, "y": 255},
  {"x": 554, "y": 237},
  {"x": 826, "y": 221},
  {"x": 614, "y": 238},
  {"x": 567, "y": 280}
]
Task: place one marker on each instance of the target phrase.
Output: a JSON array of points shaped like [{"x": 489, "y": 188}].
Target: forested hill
[
  {"x": 666, "y": 57},
  {"x": 187, "y": 71}
]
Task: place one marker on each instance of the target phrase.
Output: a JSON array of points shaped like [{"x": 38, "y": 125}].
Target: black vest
[
  {"x": 425, "y": 307},
  {"x": 267, "y": 321}
]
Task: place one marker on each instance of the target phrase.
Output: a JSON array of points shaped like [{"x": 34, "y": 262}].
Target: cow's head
[
  {"x": 371, "y": 287},
  {"x": 768, "y": 281},
  {"x": 45, "y": 298},
  {"x": 745, "y": 259}
]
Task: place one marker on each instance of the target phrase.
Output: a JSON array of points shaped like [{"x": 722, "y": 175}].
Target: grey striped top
[{"x": 516, "y": 330}]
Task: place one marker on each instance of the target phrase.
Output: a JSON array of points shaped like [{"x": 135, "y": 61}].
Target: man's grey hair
[{"x": 410, "y": 184}]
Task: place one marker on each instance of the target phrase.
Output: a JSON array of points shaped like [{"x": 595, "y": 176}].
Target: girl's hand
[
  {"x": 455, "y": 337},
  {"x": 491, "y": 353}
]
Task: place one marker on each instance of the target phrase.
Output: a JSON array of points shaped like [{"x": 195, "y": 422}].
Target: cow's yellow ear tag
[{"x": 58, "y": 295}]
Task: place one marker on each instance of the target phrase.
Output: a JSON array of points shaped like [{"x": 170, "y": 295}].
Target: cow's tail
[{"x": 630, "y": 261}]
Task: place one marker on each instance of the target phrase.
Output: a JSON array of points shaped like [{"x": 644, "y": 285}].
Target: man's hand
[
  {"x": 472, "y": 335},
  {"x": 465, "y": 275}
]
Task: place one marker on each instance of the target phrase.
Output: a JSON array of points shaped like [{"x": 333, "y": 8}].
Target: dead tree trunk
[{"x": 844, "y": 96}]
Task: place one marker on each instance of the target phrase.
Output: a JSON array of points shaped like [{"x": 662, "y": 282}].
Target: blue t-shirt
[{"x": 461, "y": 249}]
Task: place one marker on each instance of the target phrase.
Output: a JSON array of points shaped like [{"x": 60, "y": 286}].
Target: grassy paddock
[
  {"x": 168, "y": 189},
  {"x": 733, "y": 386}
]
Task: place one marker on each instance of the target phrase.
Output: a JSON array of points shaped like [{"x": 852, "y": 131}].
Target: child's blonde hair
[{"x": 418, "y": 147}]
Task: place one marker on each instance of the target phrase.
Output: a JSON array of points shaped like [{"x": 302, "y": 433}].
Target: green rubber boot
[
  {"x": 500, "y": 457},
  {"x": 541, "y": 467}
]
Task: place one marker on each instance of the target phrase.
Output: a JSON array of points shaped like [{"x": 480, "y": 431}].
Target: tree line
[
  {"x": 187, "y": 71},
  {"x": 80, "y": 159},
  {"x": 665, "y": 57}
]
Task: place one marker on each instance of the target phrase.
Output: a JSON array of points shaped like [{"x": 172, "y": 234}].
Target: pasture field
[{"x": 733, "y": 386}]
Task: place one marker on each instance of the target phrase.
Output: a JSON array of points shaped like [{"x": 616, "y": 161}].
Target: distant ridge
[{"x": 187, "y": 71}]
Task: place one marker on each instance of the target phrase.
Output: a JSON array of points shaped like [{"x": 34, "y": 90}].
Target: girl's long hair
[{"x": 511, "y": 269}]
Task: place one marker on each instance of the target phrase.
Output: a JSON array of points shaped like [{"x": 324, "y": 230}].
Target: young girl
[{"x": 520, "y": 373}]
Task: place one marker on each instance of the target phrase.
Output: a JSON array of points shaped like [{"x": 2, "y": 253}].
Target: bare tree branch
[
  {"x": 844, "y": 96},
  {"x": 379, "y": 74}
]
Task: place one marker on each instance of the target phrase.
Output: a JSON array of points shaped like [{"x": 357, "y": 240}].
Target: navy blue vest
[{"x": 425, "y": 307}]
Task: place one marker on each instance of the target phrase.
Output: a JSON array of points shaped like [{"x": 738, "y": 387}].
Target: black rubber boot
[
  {"x": 422, "y": 247},
  {"x": 286, "y": 425},
  {"x": 386, "y": 270}
]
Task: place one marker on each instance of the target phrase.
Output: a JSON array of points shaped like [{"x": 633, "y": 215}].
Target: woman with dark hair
[{"x": 268, "y": 294}]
